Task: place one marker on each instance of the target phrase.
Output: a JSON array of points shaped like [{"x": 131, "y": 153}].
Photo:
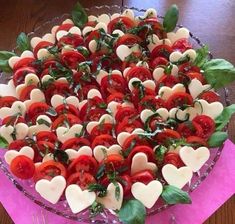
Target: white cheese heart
[
  {"x": 176, "y": 55},
  {"x": 72, "y": 30},
  {"x": 119, "y": 32},
  {"x": 150, "y": 84},
  {"x": 140, "y": 162},
  {"x": 68, "y": 21},
  {"x": 48, "y": 157},
  {"x": 36, "y": 95},
  {"x": 25, "y": 54},
  {"x": 101, "y": 151},
  {"x": 147, "y": 194},
  {"x": 84, "y": 150},
  {"x": 154, "y": 41},
  {"x": 129, "y": 13},
  {"x": 115, "y": 15},
  {"x": 110, "y": 201},
  {"x": 159, "y": 72},
  {"x": 165, "y": 92},
  {"x": 179, "y": 34},
  {"x": 149, "y": 13},
  {"x": 98, "y": 26},
  {"x": 103, "y": 74},
  {"x": 78, "y": 199},
  {"x": 146, "y": 113},
  {"x": 194, "y": 158},
  {"x": 195, "y": 88},
  {"x": 51, "y": 190},
  {"x": 143, "y": 64},
  {"x": 93, "y": 93},
  {"x": 44, "y": 54},
  {"x": 123, "y": 51},
  {"x": 8, "y": 89},
  {"x": 24, "y": 151},
  {"x": 50, "y": 37},
  {"x": 113, "y": 106},
  {"x": 103, "y": 18},
  {"x": 57, "y": 100},
  {"x": 177, "y": 177},
  {"x": 187, "y": 114},
  {"x": 17, "y": 107}
]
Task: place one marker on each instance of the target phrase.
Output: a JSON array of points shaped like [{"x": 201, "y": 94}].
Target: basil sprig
[
  {"x": 3, "y": 142},
  {"x": 79, "y": 15},
  {"x": 132, "y": 212},
  {"x": 201, "y": 56},
  {"x": 173, "y": 195},
  {"x": 171, "y": 18},
  {"x": 217, "y": 139},
  {"x": 23, "y": 43},
  {"x": 4, "y": 57}
]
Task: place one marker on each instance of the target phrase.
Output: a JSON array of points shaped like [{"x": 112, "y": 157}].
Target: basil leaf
[
  {"x": 217, "y": 139},
  {"x": 61, "y": 156},
  {"x": 132, "y": 212},
  {"x": 4, "y": 57},
  {"x": 217, "y": 64},
  {"x": 3, "y": 142},
  {"x": 202, "y": 56},
  {"x": 222, "y": 120},
  {"x": 171, "y": 18},
  {"x": 79, "y": 15},
  {"x": 42, "y": 121},
  {"x": 23, "y": 43},
  {"x": 173, "y": 195},
  {"x": 95, "y": 209}
]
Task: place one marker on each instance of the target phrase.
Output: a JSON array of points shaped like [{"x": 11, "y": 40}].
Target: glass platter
[{"x": 62, "y": 208}]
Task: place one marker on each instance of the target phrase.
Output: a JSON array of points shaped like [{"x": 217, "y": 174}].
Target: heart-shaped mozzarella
[
  {"x": 159, "y": 72},
  {"x": 147, "y": 194},
  {"x": 40, "y": 126},
  {"x": 98, "y": 26},
  {"x": 195, "y": 88},
  {"x": 93, "y": 46},
  {"x": 165, "y": 92},
  {"x": 78, "y": 199},
  {"x": 150, "y": 84},
  {"x": 113, "y": 106},
  {"x": 93, "y": 93},
  {"x": 65, "y": 134},
  {"x": 44, "y": 54},
  {"x": 36, "y": 95},
  {"x": 51, "y": 190},
  {"x": 181, "y": 33},
  {"x": 115, "y": 15},
  {"x": 143, "y": 64},
  {"x": 177, "y": 177},
  {"x": 72, "y": 30},
  {"x": 103, "y": 18},
  {"x": 129, "y": 13},
  {"x": 49, "y": 37},
  {"x": 24, "y": 151},
  {"x": 140, "y": 162},
  {"x": 194, "y": 158},
  {"x": 105, "y": 118},
  {"x": 145, "y": 114},
  {"x": 84, "y": 150},
  {"x": 67, "y": 48},
  {"x": 176, "y": 55},
  {"x": 25, "y": 54},
  {"x": 101, "y": 151},
  {"x": 103, "y": 74},
  {"x": 82, "y": 104},
  {"x": 48, "y": 157},
  {"x": 154, "y": 41},
  {"x": 20, "y": 130},
  {"x": 149, "y": 13},
  {"x": 119, "y": 32},
  {"x": 121, "y": 138},
  {"x": 123, "y": 51},
  {"x": 110, "y": 201},
  {"x": 8, "y": 89},
  {"x": 57, "y": 100},
  {"x": 187, "y": 114},
  {"x": 17, "y": 107},
  {"x": 68, "y": 21}
]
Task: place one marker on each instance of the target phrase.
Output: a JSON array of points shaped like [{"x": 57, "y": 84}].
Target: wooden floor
[{"x": 213, "y": 21}]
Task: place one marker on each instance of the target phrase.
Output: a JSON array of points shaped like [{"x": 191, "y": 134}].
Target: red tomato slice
[
  {"x": 45, "y": 146},
  {"x": 84, "y": 163},
  {"x": 95, "y": 114},
  {"x": 161, "y": 51},
  {"x": 186, "y": 129},
  {"x": 197, "y": 141},
  {"x": 122, "y": 23},
  {"x": 128, "y": 39},
  {"x": 65, "y": 119},
  {"x": 210, "y": 96},
  {"x": 158, "y": 61},
  {"x": 166, "y": 135},
  {"x": 188, "y": 67},
  {"x": 102, "y": 130},
  {"x": 40, "y": 45},
  {"x": 125, "y": 112},
  {"x": 73, "y": 40},
  {"x": 128, "y": 125},
  {"x": 7, "y": 101},
  {"x": 144, "y": 149},
  {"x": 67, "y": 108},
  {"x": 82, "y": 179},
  {"x": 65, "y": 27},
  {"x": 25, "y": 93},
  {"x": 12, "y": 120},
  {"x": 174, "y": 159},
  {"x": 196, "y": 75},
  {"x": 141, "y": 73},
  {"x": 114, "y": 162},
  {"x": 48, "y": 170},
  {"x": 151, "y": 102},
  {"x": 47, "y": 136},
  {"x": 17, "y": 144},
  {"x": 19, "y": 74},
  {"x": 22, "y": 167},
  {"x": 182, "y": 45},
  {"x": 179, "y": 99},
  {"x": 75, "y": 143},
  {"x": 24, "y": 62},
  {"x": 36, "y": 109},
  {"x": 95, "y": 34},
  {"x": 167, "y": 80},
  {"x": 72, "y": 59},
  {"x": 104, "y": 139},
  {"x": 50, "y": 63},
  {"x": 116, "y": 97},
  {"x": 144, "y": 176},
  {"x": 153, "y": 123}
]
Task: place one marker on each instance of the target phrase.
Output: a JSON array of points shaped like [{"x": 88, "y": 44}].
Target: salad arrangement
[{"x": 112, "y": 112}]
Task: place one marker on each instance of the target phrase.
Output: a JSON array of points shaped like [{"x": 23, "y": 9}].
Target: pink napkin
[{"x": 218, "y": 187}]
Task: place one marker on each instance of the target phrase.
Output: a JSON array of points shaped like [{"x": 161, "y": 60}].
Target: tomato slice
[
  {"x": 104, "y": 139},
  {"x": 210, "y": 96},
  {"x": 75, "y": 143},
  {"x": 179, "y": 99},
  {"x": 116, "y": 97},
  {"x": 17, "y": 144},
  {"x": 166, "y": 135},
  {"x": 139, "y": 72},
  {"x": 82, "y": 179},
  {"x": 48, "y": 170},
  {"x": 73, "y": 40},
  {"x": 196, "y": 75},
  {"x": 72, "y": 59},
  {"x": 36, "y": 109},
  {"x": 95, "y": 34},
  {"x": 161, "y": 51},
  {"x": 167, "y": 80},
  {"x": 188, "y": 67},
  {"x": 126, "y": 182},
  {"x": 83, "y": 163},
  {"x": 19, "y": 74},
  {"x": 144, "y": 176},
  {"x": 206, "y": 123},
  {"x": 22, "y": 167},
  {"x": 186, "y": 129},
  {"x": 40, "y": 45},
  {"x": 128, "y": 125},
  {"x": 174, "y": 159},
  {"x": 64, "y": 120},
  {"x": 24, "y": 62},
  {"x": 158, "y": 61},
  {"x": 13, "y": 120},
  {"x": 122, "y": 23},
  {"x": 25, "y": 93},
  {"x": 151, "y": 102},
  {"x": 65, "y": 27},
  {"x": 101, "y": 130},
  {"x": 114, "y": 162},
  {"x": 47, "y": 136},
  {"x": 7, "y": 101},
  {"x": 67, "y": 108},
  {"x": 125, "y": 112},
  {"x": 197, "y": 141},
  {"x": 128, "y": 39},
  {"x": 142, "y": 148},
  {"x": 182, "y": 45}
]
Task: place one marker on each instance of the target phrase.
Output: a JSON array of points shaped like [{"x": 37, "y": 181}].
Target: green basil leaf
[
  {"x": 222, "y": 120},
  {"x": 171, "y": 18},
  {"x": 217, "y": 64},
  {"x": 4, "y": 57},
  {"x": 79, "y": 15},
  {"x": 132, "y": 212},
  {"x": 217, "y": 139},
  {"x": 61, "y": 156},
  {"x": 3, "y": 142},
  {"x": 202, "y": 56},
  {"x": 173, "y": 195},
  {"x": 23, "y": 43}
]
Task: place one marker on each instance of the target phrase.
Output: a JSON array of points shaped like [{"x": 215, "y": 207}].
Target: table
[{"x": 213, "y": 21}]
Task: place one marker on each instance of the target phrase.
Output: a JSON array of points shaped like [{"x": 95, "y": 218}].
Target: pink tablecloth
[{"x": 218, "y": 187}]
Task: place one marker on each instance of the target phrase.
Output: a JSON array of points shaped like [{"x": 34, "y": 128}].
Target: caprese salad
[{"x": 112, "y": 111}]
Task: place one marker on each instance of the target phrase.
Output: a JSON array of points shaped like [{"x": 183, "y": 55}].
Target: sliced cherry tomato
[
  {"x": 128, "y": 125},
  {"x": 167, "y": 80},
  {"x": 95, "y": 114},
  {"x": 116, "y": 97},
  {"x": 67, "y": 108},
  {"x": 174, "y": 159},
  {"x": 154, "y": 122},
  {"x": 50, "y": 63},
  {"x": 138, "y": 93},
  {"x": 114, "y": 162},
  {"x": 64, "y": 120},
  {"x": 13, "y": 120},
  {"x": 84, "y": 163},
  {"x": 207, "y": 124},
  {"x": 125, "y": 112},
  {"x": 186, "y": 129},
  {"x": 82, "y": 179},
  {"x": 7, "y": 101},
  {"x": 128, "y": 39},
  {"x": 182, "y": 45},
  {"x": 72, "y": 59},
  {"x": 19, "y": 74},
  {"x": 22, "y": 167},
  {"x": 25, "y": 93},
  {"x": 188, "y": 67},
  {"x": 48, "y": 170},
  {"x": 36, "y": 109},
  {"x": 24, "y": 62},
  {"x": 122, "y": 23},
  {"x": 197, "y": 141},
  {"x": 73, "y": 40},
  {"x": 75, "y": 143},
  {"x": 158, "y": 61},
  {"x": 166, "y": 135},
  {"x": 102, "y": 130},
  {"x": 179, "y": 99},
  {"x": 95, "y": 34},
  {"x": 139, "y": 72},
  {"x": 40, "y": 45},
  {"x": 105, "y": 140},
  {"x": 144, "y": 149},
  {"x": 125, "y": 181},
  {"x": 17, "y": 144},
  {"x": 210, "y": 96},
  {"x": 45, "y": 146},
  {"x": 161, "y": 51},
  {"x": 151, "y": 102},
  {"x": 196, "y": 75},
  {"x": 65, "y": 27},
  {"x": 47, "y": 136},
  {"x": 144, "y": 176}
]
